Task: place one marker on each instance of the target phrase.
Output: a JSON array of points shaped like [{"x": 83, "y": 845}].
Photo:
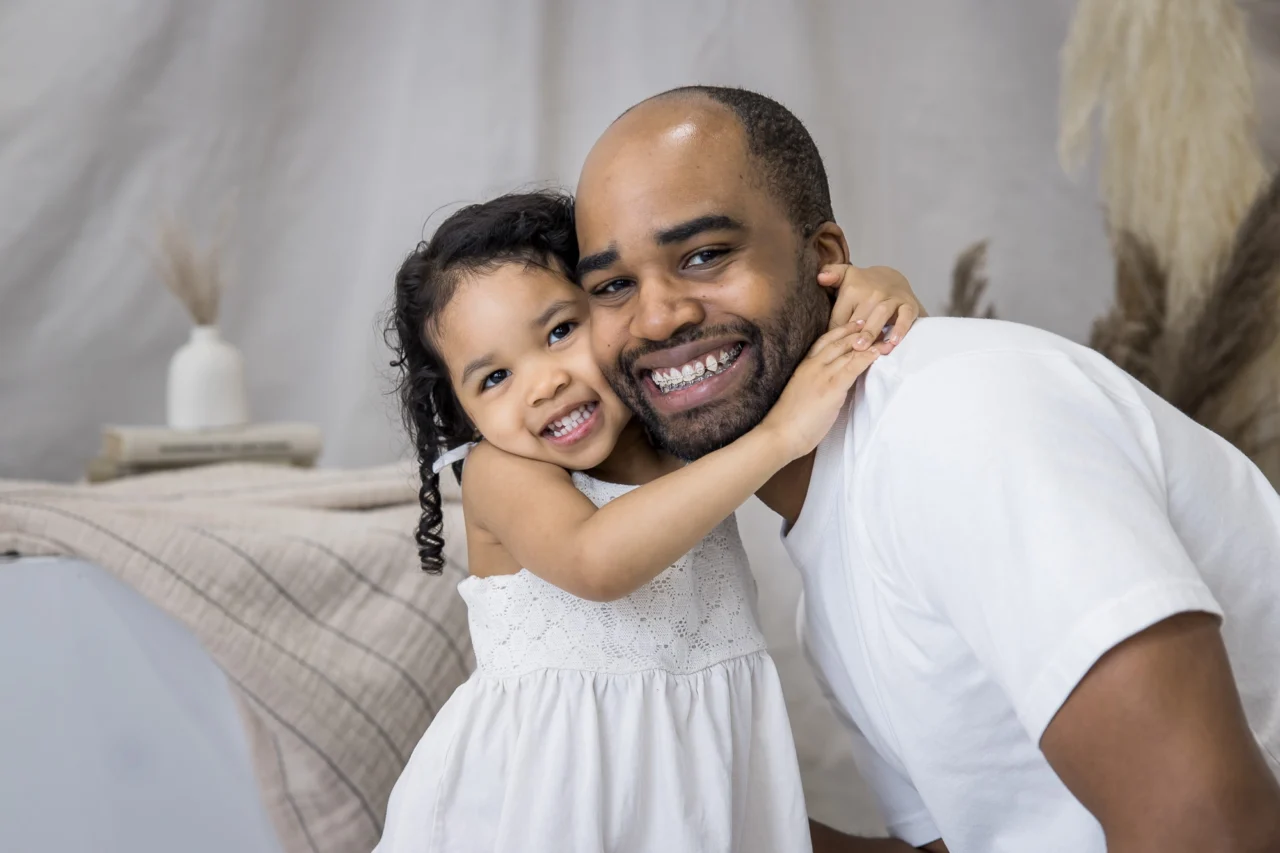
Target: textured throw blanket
[{"x": 304, "y": 586}]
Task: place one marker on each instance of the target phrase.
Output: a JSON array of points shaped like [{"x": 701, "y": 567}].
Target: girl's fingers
[
  {"x": 835, "y": 349},
  {"x": 851, "y": 365},
  {"x": 832, "y": 275},
  {"x": 829, "y": 338},
  {"x": 860, "y": 319},
  {"x": 876, "y": 321},
  {"x": 902, "y": 324},
  {"x": 845, "y": 309}
]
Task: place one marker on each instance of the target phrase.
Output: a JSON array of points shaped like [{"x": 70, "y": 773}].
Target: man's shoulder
[
  {"x": 973, "y": 355},
  {"x": 986, "y": 401},
  {"x": 997, "y": 376},
  {"x": 935, "y": 340}
]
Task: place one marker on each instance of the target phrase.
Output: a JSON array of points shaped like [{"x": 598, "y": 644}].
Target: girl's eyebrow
[
  {"x": 475, "y": 364},
  {"x": 551, "y": 310}
]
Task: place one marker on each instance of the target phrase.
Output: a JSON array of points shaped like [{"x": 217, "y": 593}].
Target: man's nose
[{"x": 663, "y": 306}]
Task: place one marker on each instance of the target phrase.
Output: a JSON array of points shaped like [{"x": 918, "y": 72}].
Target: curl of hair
[{"x": 535, "y": 229}]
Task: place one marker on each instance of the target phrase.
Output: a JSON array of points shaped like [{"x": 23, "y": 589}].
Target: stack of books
[{"x": 129, "y": 450}]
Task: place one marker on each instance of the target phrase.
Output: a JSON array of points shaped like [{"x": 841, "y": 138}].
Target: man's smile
[
  {"x": 710, "y": 373},
  {"x": 714, "y": 361}
]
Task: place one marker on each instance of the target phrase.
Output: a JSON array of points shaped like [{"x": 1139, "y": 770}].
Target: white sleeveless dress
[{"x": 650, "y": 724}]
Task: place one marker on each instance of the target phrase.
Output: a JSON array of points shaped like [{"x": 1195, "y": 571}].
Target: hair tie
[{"x": 451, "y": 456}]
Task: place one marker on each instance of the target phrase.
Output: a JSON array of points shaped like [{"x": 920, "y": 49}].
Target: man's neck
[{"x": 785, "y": 491}]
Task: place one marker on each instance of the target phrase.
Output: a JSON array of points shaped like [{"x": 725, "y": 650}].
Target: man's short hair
[{"x": 788, "y": 159}]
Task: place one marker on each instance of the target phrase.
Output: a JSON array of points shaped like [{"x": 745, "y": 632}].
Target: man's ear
[{"x": 829, "y": 242}]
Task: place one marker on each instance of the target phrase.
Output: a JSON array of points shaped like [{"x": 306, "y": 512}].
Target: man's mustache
[{"x": 686, "y": 335}]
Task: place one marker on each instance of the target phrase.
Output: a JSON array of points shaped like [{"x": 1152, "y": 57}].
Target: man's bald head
[{"x": 781, "y": 153}]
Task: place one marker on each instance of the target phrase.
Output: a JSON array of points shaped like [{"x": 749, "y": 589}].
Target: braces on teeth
[{"x": 675, "y": 378}]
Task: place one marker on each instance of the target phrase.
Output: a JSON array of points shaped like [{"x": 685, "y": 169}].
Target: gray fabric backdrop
[{"x": 334, "y": 131}]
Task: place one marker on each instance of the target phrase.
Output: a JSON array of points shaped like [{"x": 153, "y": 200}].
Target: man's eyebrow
[
  {"x": 476, "y": 364},
  {"x": 694, "y": 227},
  {"x": 550, "y": 311},
  {"x": 665, "y": 237},
  {"x": 598, "y": 261}
]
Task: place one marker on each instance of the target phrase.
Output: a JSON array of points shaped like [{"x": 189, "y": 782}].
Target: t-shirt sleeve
[{"x": 1023, "y": 498}]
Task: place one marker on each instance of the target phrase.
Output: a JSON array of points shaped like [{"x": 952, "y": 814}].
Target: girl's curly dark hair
[{"x": 527, "y": 228}]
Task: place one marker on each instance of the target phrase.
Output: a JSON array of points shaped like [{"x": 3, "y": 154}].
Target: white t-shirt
[{"x": 996, "y": 509}]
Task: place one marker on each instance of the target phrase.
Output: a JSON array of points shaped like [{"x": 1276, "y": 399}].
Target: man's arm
[
  {"x": 828, "y": 840},
  {"x": 1154, "y": 742}
]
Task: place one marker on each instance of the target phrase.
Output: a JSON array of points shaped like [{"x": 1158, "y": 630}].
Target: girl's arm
[{"x": 601, "y": 554}]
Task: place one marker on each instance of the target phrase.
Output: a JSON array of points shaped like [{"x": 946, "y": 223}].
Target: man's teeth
[
  {"x": 567, "y": 424},
  {"x": 670, "y": 379}
]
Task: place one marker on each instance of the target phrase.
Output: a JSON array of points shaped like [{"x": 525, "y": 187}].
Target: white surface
[
  {"x": 570, "y": 761},
  {"x": 1014, "y": 506},
  {"x": 649, "y": 724},
  {"x": 119, "y": 734}
]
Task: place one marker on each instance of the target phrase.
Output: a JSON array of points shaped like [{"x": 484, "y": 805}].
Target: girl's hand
[
  {"x": 812, "y": 400},
  {"x": 869, "y": 300}
]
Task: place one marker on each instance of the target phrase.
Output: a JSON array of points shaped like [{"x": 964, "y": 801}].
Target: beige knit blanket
[{"x": 303, "y": 585}]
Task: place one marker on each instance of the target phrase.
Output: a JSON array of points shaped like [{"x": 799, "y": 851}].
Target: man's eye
[
  {"x": 611, "y": 288},
  {"x": 562, "y": 331},
  {"x": 702, "y": 257},
  {"x": 494, "y": 379}
]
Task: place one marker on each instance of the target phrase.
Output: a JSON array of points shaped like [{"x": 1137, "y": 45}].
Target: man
[{"x": 1049, "y": 602}]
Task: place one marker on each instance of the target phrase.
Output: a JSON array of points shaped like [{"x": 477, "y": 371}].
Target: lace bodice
[{"x": 699, "y": 612}]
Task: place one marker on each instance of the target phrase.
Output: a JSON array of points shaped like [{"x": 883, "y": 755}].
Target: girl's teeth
[{"x": 571, "y": 421}]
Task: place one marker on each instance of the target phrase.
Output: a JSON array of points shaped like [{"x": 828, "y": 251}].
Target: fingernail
[
  {"x": 858, "y": 323},
  {"x": 895, "y": 339},
  {"x": 860, "y": 342}
]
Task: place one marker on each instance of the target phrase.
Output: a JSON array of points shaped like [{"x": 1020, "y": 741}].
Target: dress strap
[{"x": 451, "y": 456}]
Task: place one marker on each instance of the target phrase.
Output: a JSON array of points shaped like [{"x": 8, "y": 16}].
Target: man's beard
[{"x": 778, "y": 345}]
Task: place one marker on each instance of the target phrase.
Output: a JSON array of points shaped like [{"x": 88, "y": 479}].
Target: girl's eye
[
  {"x": 494, "y": 379},
  {"x": 702, "y": 257},
  {"x": 561, "y": 332}
]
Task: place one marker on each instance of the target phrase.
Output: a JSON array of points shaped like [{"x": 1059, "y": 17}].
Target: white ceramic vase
[{"x": 206, "y": 383}]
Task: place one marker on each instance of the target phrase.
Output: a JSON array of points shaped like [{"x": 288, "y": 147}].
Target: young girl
[{"x": 623, "y": 699}]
